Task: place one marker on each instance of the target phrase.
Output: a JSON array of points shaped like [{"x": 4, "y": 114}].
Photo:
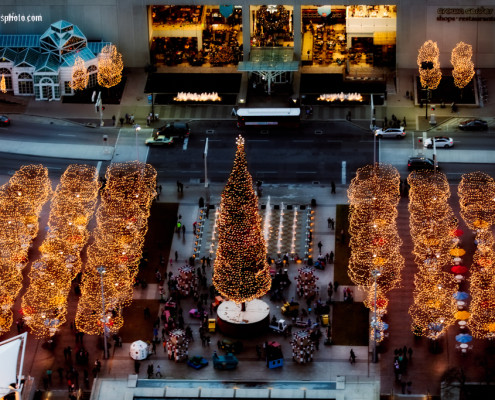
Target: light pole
[
  {"x": 375, "y": 274},
  {"x": 137, "y": 129},
  {"x": 101, "y": 270}
]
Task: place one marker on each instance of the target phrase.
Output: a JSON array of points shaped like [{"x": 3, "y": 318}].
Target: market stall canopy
[
  {"x": 463, "y": 338},
  {"x": 459, "y": 269},
  {"x": 462, "y": 315},
  {"x": 461, "y": 295},
  {"x": 139, "y": 350},
  {"x": 457, "y": 252}
]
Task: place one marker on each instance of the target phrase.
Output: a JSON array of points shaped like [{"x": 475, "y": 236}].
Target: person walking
[
  {"x": 320, "y": 246},
  {"x": 158, "y": 371},
  {"x": 331, "y": 257},
  {"x": 352, "y": 357},
  {"x": 332, "y": 185}
]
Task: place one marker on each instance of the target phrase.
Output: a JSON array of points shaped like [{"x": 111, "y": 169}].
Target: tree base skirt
[{"x": 235, "y": 323}]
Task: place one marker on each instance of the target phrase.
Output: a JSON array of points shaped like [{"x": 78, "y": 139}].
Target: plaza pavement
[{"x": 334, "y": 360}]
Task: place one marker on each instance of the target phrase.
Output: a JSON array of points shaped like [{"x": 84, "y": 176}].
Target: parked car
[
  {"x": 177, "y": 129},
  {"x": 473, "y": 125},
  {"x": 420, "y": 163},
  {"x": 229, "y": 346},
  {"x": 397, "y": 133},
  {"x": 197, "y": 362},
  {"x": 440, "y": 141},
  {"x": 160, "y": 140},
  {"x": 4, "y": 120}
]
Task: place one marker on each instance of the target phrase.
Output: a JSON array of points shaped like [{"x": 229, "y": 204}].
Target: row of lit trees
[
  {"x": 44, "y": 304},
  {"x": 110, "y": 66},
  {"x": 429, "y": 65},
  {"x": 21, "y": 201},
  {"x": 375, "y": 263},
  {"x": 477, "y": 200},
  {"x": 113, "y": 257},
  {"x": 432, "y": 224}
]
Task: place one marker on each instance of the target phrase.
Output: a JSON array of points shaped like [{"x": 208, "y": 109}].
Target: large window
[
  {"x": 25, "y": 84},
  {"x": 93, "y": 76},
  {"x": 209, "y": 35},
  {"x": 272, "y": 26}
]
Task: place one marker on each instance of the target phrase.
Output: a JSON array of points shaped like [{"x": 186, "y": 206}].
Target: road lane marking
[{"x": 66, "y": 134}]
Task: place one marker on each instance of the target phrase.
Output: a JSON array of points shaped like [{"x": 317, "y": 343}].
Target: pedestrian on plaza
[
  {"x": 201, "y": 202},
  {"x": 98, "y": 365},
  {"x": 331, "y": 257},
  {"x": 183, "y": 229},
  {"x": 194, "y": 227},
  {"x": 121, "y": 120},
  {"x": 160, "y": 189},
  {"x": 332, "y": 224},
  {"x": 147, "y": 313},
  {"x": 158, "y": 371},
  {"x": 329, "y": 220},
  {"x": 158, "y": 276},
  {"x": 150, "y": 371},
  {"x": 176, "y": 256},
  {"x": 330, "y": 291},
  {"x": 208, "y": 261},
  {"x": 335, "y": 286},
  {"x": 404, "y": 122},
  {"x": 320, "y": 246},
  {"x": 404, "y": 351},
  {"x": 113, "y": 120},
  {"x": 49, "y": 375},
  {"x": 410, "y": 353},
  {"x": 352, "y": 357},
  {"x": 332, "y": 185}
]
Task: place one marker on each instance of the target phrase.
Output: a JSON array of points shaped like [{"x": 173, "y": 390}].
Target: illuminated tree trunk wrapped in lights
[
  {"x": 110, "y": 66},
  {"x": 429, "y": 65},
  {"x": 21, "y": 201},
  {"x": 44, "y": 305},
  {"x": 477, "y": 200},
  {"x": 463, "y": 66},
  {"x": 241, "y": 272},
  {"x": 80, "y": 75},
  {"x": 117, "y": 247},
  {"x": 431, "y": 222},
  {"x": 375, "y": 244}
]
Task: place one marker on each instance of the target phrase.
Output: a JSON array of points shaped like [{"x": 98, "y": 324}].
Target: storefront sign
[{"x": 449, "y": 14}]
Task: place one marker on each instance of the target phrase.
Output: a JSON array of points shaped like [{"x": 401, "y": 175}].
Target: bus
[{"x": 276, "y": 117}]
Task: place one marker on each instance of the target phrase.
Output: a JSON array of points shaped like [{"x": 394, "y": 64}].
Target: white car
[
  {"x": 440, "y": 141},
  {"x": 397, "y": 133}
]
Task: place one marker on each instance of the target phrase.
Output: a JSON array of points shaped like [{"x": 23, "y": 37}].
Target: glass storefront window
[
  {"x": 198, "y": 35},
  {"x": 272, "y": 26}
]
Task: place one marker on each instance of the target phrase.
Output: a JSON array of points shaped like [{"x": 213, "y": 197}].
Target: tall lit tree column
[
  {"x": 477, "y": 200},
  {"x": 429, "y": 68},
  {"x": 431, "y": 222},
  {"x": 241, "y": 272},
  {"x": 463, "y": 66},
  {"x": 110, "y": 66},
  {"x": 375, "y": 263}
]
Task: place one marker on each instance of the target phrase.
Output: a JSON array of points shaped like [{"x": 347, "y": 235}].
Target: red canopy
[
  {"x": 459, "y": 269},
  {"x": 458, "y": 232}
]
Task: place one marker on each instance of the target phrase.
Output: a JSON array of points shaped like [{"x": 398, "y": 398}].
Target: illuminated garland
[
  {"x": 21, "y": 200},
  {"x": 375, "y": 244},
  {"x": 431, "y": 222},
  {"x": 463, "y": 66},
  {"x": 241, "y": 272},
  {"x": 80, "y": 76},
  {"x": 118, "y": 241},
  {"x": 44, "y": 305},
  {"x": 429, "y": 65},
  {"x": 477, "y": 200},
  {"x": 264, "y": 18},
  {"x": 110, "y": 66},
  {"x": 3, "y": 86}
]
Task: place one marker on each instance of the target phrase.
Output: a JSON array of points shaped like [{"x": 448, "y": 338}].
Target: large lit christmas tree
[{"x": 241, "y": 271}]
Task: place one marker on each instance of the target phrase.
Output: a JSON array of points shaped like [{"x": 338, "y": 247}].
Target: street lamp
[
  {"x": 375, "y": 274},
  {"x": 137, "y": 128},
  {"x": 101, "y": 270}
]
